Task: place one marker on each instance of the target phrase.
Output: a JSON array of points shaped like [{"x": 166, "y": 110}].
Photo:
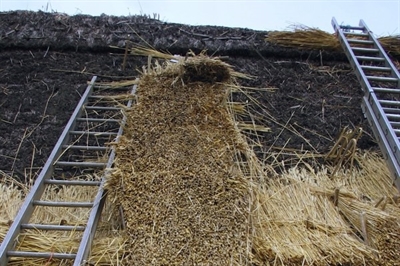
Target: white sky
[{"x": 382, "y": 17}]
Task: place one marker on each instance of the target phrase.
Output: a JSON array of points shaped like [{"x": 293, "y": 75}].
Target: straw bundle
[
  {"x": 183, "y": 198},
  {"x": 391, "y": 44},
  {"x": 304, "y": 37},
  {"x": 316, "y": 39},
  {"x": 106, "y": 249}
]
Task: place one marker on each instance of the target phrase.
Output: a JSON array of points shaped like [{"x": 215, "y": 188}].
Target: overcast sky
[{"x": 382, "y": 17}]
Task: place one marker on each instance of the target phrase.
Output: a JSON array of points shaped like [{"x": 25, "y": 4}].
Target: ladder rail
[
  {"x": 371, "y": 105},
  {"x": 95, "y": 213},
  {"x": 394, "y": 72},
  {"x": 350, "y": 55},
  {"x": 27, "y": 208},
  {"x": 387, "y": 139}
]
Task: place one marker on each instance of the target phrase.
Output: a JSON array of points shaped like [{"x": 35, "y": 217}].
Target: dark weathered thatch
[{"x": 39, "y": 30}]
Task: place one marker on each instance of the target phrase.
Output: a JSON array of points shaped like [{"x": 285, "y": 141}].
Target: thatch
[
  {"x": 193, "y": 192},
  {"x": 304, "y": 37},
  {"x": 316, "y": 39},
  {"x": 295, "y": 227},
  {"x": 307, "y": 217},
  {"x": 184, "y": 199},
  {"x": 182, "y": 169},
  {"x": 391, "y": 44},
  {"x": 293, "y": 219}
]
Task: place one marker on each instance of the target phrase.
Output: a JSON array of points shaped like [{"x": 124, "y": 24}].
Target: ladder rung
[
  {"x": 63, "y": 204},
  {"x": 92, "y": 133},
  {"x": 395, "y": 125},
  {"x": 376, "y": 78},
  {"x": 108, "y": 97},
  {"x": 376, "y": 68},
  {"x": 356, "y": 34},
  {"x": 85, "y": 148},
  {"x": 98, "y": 120},
  {"x": 388, "y": 110},
  {"x": 362, "y": 49},
  {"x": 103, "y": 108},
  {"x": 81, "y": 164},
  {"x": 103, "y": 88},
  {"x": 72, "y": 182},
  {"x": 97, "y": 96},
  {"x": 392, "y": 117},
  {"x": 389, "y": 103},
  {"x": 360, "y": 41},
  {"x": 29, "y": 254},
  {"x": 352, "y": 27},
  {"x": 386, "y": 90},
  {"x": 397, "y": 131},
  {"x": 52, "y": 227},
  {"x": 370, "y": 58}
]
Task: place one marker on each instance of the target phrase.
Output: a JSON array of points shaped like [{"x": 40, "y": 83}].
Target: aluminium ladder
[
  {"x": 92, "y": 125},
  {"x": 380, "y": 82}
]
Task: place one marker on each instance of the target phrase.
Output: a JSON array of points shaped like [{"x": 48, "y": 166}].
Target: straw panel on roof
[{"x": 175, "y": 178}]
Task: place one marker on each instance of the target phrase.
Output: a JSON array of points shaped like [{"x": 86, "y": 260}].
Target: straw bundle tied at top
[{"x": 175, "y": 177}]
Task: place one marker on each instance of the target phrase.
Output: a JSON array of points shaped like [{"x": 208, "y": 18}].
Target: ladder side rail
[
  {"x": 389, "y": 134},
  {"x": 382, "y": 53},
  {"x": 352, "y": 58},
  {"x": 27, "y": 208},
  {"x": 384, "y": 144},
  {"x": 384, "y": 132},
  {"x": 94, "y": 216}
]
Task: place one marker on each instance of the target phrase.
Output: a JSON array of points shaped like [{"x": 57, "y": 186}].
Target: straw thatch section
[
  {"x": 307, "y": 217},
  {"x": 304, "y": 37},
  {"x": 294, "y": 220},
  {"x": 303, "y": 217},
  {"x": 108, "y": 242},
  {"x": 391, "y": 44},
  {"x": 185, "y": 177},
  {"x": 316, "y": 39},
  {"x": 183, "y": 198}
]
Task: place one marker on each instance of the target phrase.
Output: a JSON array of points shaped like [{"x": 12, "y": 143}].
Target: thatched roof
[
  {"x": 39, "y": 30},
  {"x": 297, "y": 100}
]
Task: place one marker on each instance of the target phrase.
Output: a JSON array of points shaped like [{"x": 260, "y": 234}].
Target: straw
[
  {"x": 183, "y": 198},
  {"x": 316, "y": 39}
]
